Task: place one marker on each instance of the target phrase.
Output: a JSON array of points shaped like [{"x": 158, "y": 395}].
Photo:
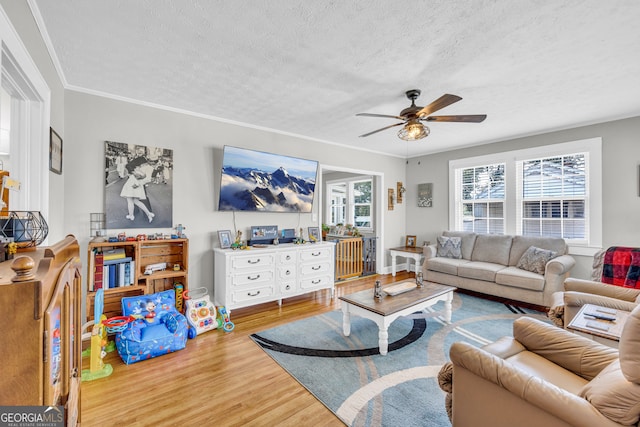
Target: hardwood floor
[{"x": 221, "y": 379}]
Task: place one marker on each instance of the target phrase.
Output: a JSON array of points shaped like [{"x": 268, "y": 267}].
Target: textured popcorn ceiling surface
[{"x": 306, "y": 67}]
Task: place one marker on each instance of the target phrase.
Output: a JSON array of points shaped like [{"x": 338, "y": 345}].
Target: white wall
[
  {"x": 197, "y": 145},
  {"x": 620, "y": 186},
  {"x": 20, "y": 16}
]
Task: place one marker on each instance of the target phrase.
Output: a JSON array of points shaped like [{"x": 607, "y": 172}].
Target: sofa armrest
[
  {"x": 575, "y": 353},
  {"x": 429, "y": 251},
  {"x": 560, "y": 265},
  {"x": 556, "y": 309},
  {"x": 504, "y": 347},
  {"x": 549, "y": 398},
  {"x": 598, "y": 288},
  {"x": 578, "y": 299}
]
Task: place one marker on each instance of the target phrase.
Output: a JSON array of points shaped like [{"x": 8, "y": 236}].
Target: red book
[{"x": 98, "y": 272}]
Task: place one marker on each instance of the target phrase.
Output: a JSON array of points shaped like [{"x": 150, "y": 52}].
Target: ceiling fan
[{"x": 413, "y": 116}]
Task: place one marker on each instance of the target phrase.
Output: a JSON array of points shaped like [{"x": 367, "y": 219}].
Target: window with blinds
[
  {"x": 551, "y": 190},
  {"x": 553, "y": 196},
  {"x": 481, "y": 205}
]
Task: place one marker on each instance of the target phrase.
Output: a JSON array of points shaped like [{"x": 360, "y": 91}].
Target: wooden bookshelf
[{"x": 173, "y": 252}]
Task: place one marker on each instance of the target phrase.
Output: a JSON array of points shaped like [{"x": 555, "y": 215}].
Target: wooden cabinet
[
  {"x": 247, "y": 277},
  {"x": 139, "y": 254},
  {"x": 41, "y": 328}
]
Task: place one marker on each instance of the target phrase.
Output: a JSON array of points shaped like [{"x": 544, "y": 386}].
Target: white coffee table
[{"x": 385, "y": 310}]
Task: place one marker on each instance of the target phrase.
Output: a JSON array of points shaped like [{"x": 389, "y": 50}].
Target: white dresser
[{"x": 247, "y": 277}]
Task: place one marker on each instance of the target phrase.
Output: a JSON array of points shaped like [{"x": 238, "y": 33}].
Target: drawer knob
[
  {"x": 316, "y": 267},
  {"x": 253, "y": 262},
  {"x": 253, "y": 294},
  {"x": 288, "y": 272},
  {"x": 288, "y": 257},
  {"x": 256, "y": 277},
  {"x": 288, "y": 287},
  {"x": 316, "y": 253},
  {"x": 315, "y": 282}
]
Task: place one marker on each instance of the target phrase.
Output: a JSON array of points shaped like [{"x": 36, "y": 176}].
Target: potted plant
[{"x": 325, "y": 230}]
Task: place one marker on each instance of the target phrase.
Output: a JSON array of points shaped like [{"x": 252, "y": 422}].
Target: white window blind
[{"x": 482, "y": 196}]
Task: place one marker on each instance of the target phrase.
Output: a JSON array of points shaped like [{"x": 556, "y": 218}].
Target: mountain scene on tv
[{"x": 257, "y": 181}]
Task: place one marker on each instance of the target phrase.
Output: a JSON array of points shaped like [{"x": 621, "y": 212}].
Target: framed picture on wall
[
  {"x": 138, "y": 186},
  {"x": 224, "y": 236},
  {"x": 55, "y": 152}
]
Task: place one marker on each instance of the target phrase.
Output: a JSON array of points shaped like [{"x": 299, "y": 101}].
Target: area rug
[{"x": 363, "y": 388}]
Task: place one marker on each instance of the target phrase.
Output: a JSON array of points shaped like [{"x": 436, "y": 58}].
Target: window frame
[
  {"x": 350, "y": 200},
  {"x": 592, "y": 147}
]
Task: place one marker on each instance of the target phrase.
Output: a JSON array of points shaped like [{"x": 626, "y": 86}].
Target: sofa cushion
[
  {"x": 517, "y": 278},
  {"x": 445, "y": 265},
  {"x": 492, "y": 248},
  {"x": 535, "y": 259},
  {"x": 480, "y": 270},
  {"x": 614, "y": 396},
  {"x": 522, "y": 243},
  {"x": 468, "y": 241},
  {"x": 449, "y": 247}
]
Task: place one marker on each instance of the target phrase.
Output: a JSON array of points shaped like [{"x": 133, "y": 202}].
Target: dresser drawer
[
  {"x": 318, "y": 282},
  {"x": 251, "y": 278},
  {"x": 315, "y": 268},
  {"x": 314, "y": 254},
  {"x": 252, "y": 261},
  {"x": 254, "y": 295},
  {"x": 288, "y": 288},
  {"x": 286, "y": 272},
  {"x": 288, "y": 257}
]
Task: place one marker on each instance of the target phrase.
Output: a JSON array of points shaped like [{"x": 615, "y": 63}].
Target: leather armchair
[
  {"x": 578, "y": 292},
  {"x": 547, "y": 376}
]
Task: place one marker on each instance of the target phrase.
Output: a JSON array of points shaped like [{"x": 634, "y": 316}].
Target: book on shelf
[
  {"x": 115, "y": 253},
  {"x": 98, "y": 275}
]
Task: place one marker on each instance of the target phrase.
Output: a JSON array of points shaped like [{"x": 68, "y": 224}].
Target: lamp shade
[
  {"x": 26, "y": 228},
  {"x": 413, "y": 131}
]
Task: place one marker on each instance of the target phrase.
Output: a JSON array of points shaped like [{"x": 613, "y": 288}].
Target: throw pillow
[
  {"x": 535, "y": 259},
  {"x": 450, "y": 247}
]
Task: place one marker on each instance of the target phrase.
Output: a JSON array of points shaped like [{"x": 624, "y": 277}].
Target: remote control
[
  {"x": 597, "y": 325},
  {"x": 601, "y": 316}
]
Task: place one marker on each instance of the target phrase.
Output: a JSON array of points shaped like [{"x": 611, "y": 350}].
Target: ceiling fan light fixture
[{"x": 413, "y": 131}]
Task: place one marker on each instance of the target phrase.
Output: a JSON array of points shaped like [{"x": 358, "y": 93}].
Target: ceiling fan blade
[
  {"x": 380, "y": 115},
  {"x": 381, "y": 129},
  {"x": 473, "y": 118},
  {"x": 438, "y": 104}
]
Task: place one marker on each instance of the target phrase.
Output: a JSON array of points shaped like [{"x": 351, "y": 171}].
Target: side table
[
  {"x": 603, "y": 331},
  {"x": 409, "y": 252}
]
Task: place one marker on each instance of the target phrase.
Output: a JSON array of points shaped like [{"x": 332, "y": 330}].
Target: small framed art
[
  {"x": 225, "y": 238},
  {"x": 410, "y": 241},
  {"x": 55, "y": 152},
  {"x": 315, "y": 232}
]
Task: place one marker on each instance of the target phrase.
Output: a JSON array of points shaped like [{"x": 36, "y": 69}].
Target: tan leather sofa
[{"x": 547, "y": 376}]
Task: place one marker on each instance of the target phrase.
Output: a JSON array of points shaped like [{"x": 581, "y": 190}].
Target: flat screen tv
[{"x": 265, "y": 182}]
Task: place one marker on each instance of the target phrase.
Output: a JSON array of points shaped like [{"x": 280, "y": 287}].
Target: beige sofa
[
  {"x": 488, "y": 264},
  {"x": 545, "y": 376}
]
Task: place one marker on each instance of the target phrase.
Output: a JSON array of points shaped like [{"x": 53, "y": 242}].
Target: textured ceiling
[{"x": 307, "y": 67}]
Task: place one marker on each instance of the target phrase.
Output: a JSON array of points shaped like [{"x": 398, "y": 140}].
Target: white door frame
[{"x": 378, "y": 178}]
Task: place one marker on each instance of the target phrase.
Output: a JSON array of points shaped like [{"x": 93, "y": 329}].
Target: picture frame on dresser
[
  {"x": 224, "y": 237},
  {"x": 315, "y": 232}
]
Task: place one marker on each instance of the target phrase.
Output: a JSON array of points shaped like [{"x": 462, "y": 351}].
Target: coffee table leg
[
  {"x": 393, "y": 265},
  {"x": 383, "y": 339},
  {"x": 448, "y": 307},
  {"x": 346, "y": 319}
]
